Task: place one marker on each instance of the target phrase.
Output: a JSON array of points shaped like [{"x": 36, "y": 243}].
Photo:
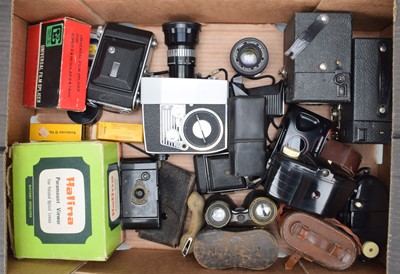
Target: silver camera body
[{"x": 184, "y": 116}]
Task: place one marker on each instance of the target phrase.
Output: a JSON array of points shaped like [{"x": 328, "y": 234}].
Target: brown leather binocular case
[{"x": 317, "y": 240}]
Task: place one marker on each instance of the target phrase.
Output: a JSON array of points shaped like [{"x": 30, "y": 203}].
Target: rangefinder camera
[
  {"x": 184, "y": 116},
  {"x": 122, "y": 56}
]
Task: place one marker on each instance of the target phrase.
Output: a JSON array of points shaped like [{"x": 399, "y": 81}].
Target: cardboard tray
[{"x": 224, "y": 23}]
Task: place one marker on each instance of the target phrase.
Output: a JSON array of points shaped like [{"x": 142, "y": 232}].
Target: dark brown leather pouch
[
  {"x": 175, "y": 186},
  {"x": 318, "y": 241},
  {"x": 221, "y": 249},
  {"x": 342, "y": 155}
]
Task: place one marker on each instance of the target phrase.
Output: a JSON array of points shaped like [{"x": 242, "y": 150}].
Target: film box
[
  {"x": 121, "y": 132},
  {"x": 66, "y": 200},
  {"x": 57, "y": 64},
  {"x": 56, "y": 132}
]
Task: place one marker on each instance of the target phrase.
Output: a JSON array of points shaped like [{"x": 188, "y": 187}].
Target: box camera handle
[
  {"x": 385, "y": 81},
  {"x": 307, "y": 36}
]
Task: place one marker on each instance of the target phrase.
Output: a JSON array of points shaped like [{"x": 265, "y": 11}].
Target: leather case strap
[
  {"x": 317, "y": 240},
  {"x": 385, "y": 78},
  {"x": 325, "y": 244}
]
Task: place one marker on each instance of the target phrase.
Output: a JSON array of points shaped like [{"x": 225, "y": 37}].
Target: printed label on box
[
  {"x": 58, "y": 199},
  {"x": 61, "y": 201},
  {"x": 113, "y": 196},
  {"x": 54, "y": 35}
]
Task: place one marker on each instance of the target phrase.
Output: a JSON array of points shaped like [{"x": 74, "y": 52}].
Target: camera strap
[
  {"x": 266, "y": 90},
  {"x": 307, "y": 36}
]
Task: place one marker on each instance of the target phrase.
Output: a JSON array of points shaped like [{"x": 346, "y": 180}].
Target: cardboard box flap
[
  {"x": 223, "y": 11},
  {"x": 42, "y": 266},
  {"x": 33, "y": 11},
  {"x": 364, "y": 12}
]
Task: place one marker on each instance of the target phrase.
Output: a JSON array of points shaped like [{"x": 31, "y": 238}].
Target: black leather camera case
[
  {"x": 368, "y": 118},
  {"x": 247, "y": 133}
]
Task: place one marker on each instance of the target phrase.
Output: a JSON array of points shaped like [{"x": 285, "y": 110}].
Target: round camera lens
[
  {"x": 218, "y": 214},
  {"x": 249, "y": 56},
  {"x": 139, "y": 193},
  {"x": 262, "y": 210}
]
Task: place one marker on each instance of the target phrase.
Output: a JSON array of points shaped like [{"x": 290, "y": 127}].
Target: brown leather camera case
[
  {"x": 343, "y": 155},
  {"x": 316, "y": 240}
]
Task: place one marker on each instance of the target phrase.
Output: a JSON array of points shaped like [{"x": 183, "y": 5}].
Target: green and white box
[{"x": 66, "y": 200}]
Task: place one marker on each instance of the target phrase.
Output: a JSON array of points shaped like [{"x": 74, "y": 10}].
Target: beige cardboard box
[{"x": 223, "y": 24}]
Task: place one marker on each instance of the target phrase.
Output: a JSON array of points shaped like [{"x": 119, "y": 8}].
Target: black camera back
[{"x": 368, "y": 118}]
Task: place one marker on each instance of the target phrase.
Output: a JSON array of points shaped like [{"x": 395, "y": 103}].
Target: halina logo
[{"x": 54, "y": 34}]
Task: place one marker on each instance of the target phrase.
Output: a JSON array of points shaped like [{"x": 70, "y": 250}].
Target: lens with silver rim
[
  {"x": 218, "y": 214},
  {"x": 262, "y": 211}
]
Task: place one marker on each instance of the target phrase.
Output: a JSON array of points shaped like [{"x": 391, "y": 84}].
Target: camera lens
[
  {"x": 262, "y": 210},
  {"x": 249, "y": 56},
  {"x": 139, "y": 193},
  {"x": 181, "y": 39},
  {"x": 218, "y": 214}
]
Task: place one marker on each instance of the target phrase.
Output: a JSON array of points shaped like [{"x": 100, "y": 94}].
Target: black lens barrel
[{"x": 181, "y": 39}]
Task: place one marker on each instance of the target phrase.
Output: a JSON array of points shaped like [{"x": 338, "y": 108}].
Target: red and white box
[{"x": 57, "y": 64}]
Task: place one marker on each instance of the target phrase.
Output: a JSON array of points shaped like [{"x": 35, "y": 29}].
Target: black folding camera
[
  {"x": 139, "y": 193},
  {"x": 121, "y": 59},
  {"x": 213, "y": 174},
  {"x": 257, "y": 210},
  {"x": 302, "y": 130},
  {"x": 368, "y": 118}
]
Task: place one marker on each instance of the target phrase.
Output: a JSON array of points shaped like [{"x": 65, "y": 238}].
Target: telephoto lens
[{"x": 181, "y": 39}]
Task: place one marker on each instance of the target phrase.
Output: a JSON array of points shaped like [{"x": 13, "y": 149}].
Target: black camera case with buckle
[
  {"x": 317, "y": 188},
  {"x": 368, "y": 118},
  {"x": 318, "y": 57}
]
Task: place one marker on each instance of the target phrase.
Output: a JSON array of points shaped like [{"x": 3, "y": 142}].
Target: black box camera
[
  {"x": 318, "y": 57},
  {"x": 368, "y": 118},
  {"x": 121, "y": 59},
  {"x": 139, "y": 193}
]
